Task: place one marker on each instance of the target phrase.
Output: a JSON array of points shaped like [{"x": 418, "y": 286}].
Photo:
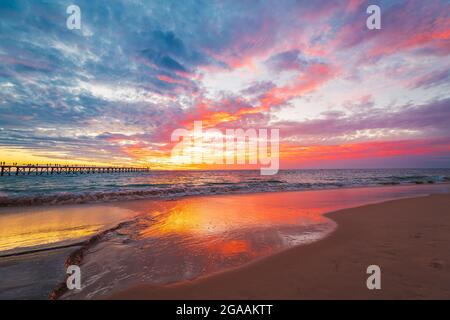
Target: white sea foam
[{"x": 48, "y": 190}]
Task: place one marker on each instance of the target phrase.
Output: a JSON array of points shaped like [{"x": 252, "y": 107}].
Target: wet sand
[
  {"x": 35, "y": 243},
  {"x": 34, "y": 275},
  {"x": 36, "y": 228},
  {"x": 409, "y": 239}
]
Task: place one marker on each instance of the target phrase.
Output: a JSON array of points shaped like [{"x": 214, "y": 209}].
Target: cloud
[
  {"x": 139, "y": 69},
  {"x": 288, "y": 60},
  {"x": 430, "y": 119},
  {"x": 431, "y": 79},
  {"x": 406, "y": 26},
  {"x": 415, "y": 152}
]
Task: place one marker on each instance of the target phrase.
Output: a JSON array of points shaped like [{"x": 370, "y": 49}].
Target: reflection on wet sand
[
  {"x": 173, "y": 241},
  {"x": 52, "y": 226},
  {"x": 219, "y": 215},
  {"x": 183, "y": 239}
]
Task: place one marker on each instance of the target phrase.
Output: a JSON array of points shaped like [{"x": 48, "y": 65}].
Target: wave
[
  {"x": 146, "y": 193},
  {"x": 160, "y": 191},
  {"x": 417, "y": 179}
]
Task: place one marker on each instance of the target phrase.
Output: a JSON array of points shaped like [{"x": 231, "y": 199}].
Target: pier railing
[{"x": 39, "y": 169}]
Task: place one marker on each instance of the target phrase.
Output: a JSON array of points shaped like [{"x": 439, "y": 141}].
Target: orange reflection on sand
[
  {"x": 233, "y": 247},
  {"x": 29, "y": 228},
  {"x": 230, "y": 229},
  {"x": 215, "y": 215}
]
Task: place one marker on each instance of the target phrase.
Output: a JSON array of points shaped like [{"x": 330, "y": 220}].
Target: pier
[{"x": 39, "y": 169}]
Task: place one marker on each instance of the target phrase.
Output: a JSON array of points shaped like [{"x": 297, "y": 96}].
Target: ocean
[{"x": 73, "y": 189}]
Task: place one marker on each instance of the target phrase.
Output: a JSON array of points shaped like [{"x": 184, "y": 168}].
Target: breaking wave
[{"x": 136, "y": 191}]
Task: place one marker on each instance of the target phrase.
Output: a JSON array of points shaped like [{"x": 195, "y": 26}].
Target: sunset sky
[{"x": 341, "y": 95}]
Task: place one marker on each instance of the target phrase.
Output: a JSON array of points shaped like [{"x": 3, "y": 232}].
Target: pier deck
[{"x": 63, "y": 169}]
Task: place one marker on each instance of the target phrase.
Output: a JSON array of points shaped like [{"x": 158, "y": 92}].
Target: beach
[
  {"x": 280, "y": 245},
  {"x": 408, "y": 238}
]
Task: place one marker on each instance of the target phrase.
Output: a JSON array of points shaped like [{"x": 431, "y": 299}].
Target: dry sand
[{"x": 409, "y": 239}]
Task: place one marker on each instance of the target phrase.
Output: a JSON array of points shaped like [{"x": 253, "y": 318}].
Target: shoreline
[{"x": 389, "y": 234}]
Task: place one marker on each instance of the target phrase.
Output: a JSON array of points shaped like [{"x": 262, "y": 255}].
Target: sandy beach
[
  {"x": 408, "y": 238},
  {"x": 281, "y": 245}
]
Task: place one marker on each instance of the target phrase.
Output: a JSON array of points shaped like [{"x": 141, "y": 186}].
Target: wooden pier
[{"x": 38, "y": 169}]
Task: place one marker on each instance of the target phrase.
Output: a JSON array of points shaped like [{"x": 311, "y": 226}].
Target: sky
[{"x": 113, "y": 92}]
